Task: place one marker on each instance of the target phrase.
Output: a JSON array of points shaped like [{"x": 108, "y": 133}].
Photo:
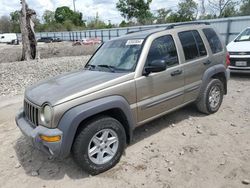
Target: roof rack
[
  {"x": 140, "y": 30},
  {"x": 130, "y": 32},
  {"x": 186, "y": 23}
]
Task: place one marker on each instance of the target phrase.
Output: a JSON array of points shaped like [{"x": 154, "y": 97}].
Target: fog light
[{"x": 50, "y": 138}]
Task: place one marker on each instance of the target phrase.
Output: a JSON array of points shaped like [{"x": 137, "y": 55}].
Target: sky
[{"x": 105, "y": 8}]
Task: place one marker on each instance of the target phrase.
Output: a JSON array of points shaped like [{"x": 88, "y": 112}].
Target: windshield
[
  {"x": 116, "y": 56},
  {"x": 244, "y": 36}
]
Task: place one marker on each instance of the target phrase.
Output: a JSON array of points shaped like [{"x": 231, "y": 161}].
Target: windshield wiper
[
  {"x": 90, "y": 67},
  {"x": 111, "y": 68}
]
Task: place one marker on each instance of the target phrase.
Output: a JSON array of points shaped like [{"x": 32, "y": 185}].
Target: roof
[{"x": 142, "y": 34}]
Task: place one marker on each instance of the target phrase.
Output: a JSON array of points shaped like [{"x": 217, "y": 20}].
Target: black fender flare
[
  {"x": 210, "y": 72},
  {"x": 71, "y": 120}
]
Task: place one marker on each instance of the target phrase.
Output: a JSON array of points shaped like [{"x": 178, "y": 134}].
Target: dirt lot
[
  {"x": 10, "y": 53},
  {"x": 183, "y": 149}
]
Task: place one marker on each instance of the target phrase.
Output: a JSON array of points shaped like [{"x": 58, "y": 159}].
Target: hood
[
  {"x": 243, "y": 46},
  {"x": 68, "y": 86}
]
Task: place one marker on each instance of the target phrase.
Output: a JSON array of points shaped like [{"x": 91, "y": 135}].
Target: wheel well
[
  {"x": 115, "y": 113},
  {"x": 221, "y": 76}
]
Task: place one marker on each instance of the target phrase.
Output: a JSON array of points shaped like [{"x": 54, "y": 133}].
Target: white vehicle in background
[
  {"x": 9, "y": 38},
  {"x": 239, "y": 51}
]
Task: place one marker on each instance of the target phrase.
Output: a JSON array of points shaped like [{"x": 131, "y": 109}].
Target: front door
[{"x": 159, "y": 92}]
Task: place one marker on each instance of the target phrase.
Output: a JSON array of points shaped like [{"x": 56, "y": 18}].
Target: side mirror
[{"x": 155, "y": 66}]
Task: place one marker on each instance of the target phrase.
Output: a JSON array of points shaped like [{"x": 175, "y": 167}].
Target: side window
[
  {"x": 200, "y": 44},
  {"x": 192, "y": 44},
  {"x": 163, "y": 48},
  {"x": 213, "y": 40}
]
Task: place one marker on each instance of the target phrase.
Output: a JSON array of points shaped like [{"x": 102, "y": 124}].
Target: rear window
[
  {"x": 213, "y": 40},
  {"x": 192, "y": 44}
]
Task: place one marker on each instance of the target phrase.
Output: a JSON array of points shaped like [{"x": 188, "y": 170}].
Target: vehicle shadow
[
  {"x": 240, "y": 77},
  {"x": 33, "y": 160},
  {"x": 166, "y": 121}
]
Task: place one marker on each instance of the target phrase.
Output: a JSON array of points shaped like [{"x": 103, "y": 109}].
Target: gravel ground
[
  {"x": 10, "y": 53},
  {"x": 15, "y": 76}
]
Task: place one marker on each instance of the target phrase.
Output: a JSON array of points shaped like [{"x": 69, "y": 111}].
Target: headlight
[{"x": 46, "y": 114}]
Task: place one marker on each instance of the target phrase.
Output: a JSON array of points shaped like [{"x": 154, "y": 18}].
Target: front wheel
[
  {"x": 211, "y": 97},
  {"x": 99, "y": 146}
]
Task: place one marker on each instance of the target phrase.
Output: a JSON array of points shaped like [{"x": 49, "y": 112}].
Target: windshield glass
[
  {"x": 244, "y": 36},
  {"x": 116, "y": 56}
]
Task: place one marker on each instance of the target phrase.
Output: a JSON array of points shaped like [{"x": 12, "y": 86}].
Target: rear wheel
[
  {"x": 99, "y": 146},
  {"x": 211, "y": 97}
]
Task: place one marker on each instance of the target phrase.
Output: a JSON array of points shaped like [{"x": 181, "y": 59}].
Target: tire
[
  {"x": 93, "y": 149},
  {"x": 207, "y": 102}
]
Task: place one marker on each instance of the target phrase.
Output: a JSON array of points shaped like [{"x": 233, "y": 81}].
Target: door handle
[
  {"x": 177, "y": 72},
  {"x": 207, "y": 62}
]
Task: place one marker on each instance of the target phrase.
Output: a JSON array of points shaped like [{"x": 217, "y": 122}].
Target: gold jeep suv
[{"x": 128, "y": 82}]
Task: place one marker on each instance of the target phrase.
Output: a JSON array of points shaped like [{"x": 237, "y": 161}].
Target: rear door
[
  {"x": 195, "y": 61},
  {"x": 159, "y": 92}
]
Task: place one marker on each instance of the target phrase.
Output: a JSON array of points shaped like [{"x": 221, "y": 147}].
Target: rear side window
[
  {"x": 163, "y": 48},
  {"x": 213, "y": 40},
  {"x": 192, "y": 44}
]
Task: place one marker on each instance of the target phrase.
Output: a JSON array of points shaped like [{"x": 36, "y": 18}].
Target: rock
[
  {"x": 173, "y": 125},
  {"x": 50, "y": 158},
  {"x": 246, "y": 182},
  {"x": 12, "y": 156},
  {"x": 225, "y": 153},
  {"x": 182, "y": 152},
  {"x": 152, "y": 150},
  {"x": 171, "y": 162},
  {"x": 199, "y": 131},
  {"x": 184, "y": 134},
  {"x": 17, "y": 165},
  {"x": 213, "y": 134},
  {"x": 34, "y": 173},
  {"x": 233, "y": 125},
  {"x": 170, "y": 169},
  {"x": 238, "y": 90}
]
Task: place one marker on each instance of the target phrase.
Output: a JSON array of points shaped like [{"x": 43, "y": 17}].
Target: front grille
[
  {"x": 233, "y": 61},
  {"x": 239, "y": 53},
  {"x": 31, "y": 113}
]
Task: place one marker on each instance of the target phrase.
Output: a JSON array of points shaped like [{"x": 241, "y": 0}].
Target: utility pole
[{"x": 74, "y": 3}]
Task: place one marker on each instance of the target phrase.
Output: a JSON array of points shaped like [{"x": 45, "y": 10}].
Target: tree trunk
[
  {"x": 25, "y": 34},
  {"x": 28, "y": 33}
]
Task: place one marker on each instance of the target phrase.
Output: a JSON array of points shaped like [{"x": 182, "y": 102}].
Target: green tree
[
  {"x": 229, "y": 11},
  {"x": 187, "y": 11},
  {"x": 15, "y": 21},
  {"x": 123, "y": 24},
  {"x": 5, "y": 24},
  {"x": 162, "y": 15},
  {"x": 218, "y": 7},
  {"x": 65, "y": 13},
  {"x": 245, "y": 8},
  {"x": 49, "y": 16},
  {"x": 138, "y": 9}
]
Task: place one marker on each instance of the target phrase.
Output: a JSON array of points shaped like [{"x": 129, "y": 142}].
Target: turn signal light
[{"x": 50, "y": 138}]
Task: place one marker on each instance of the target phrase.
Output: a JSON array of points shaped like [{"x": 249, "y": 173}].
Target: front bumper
[
  {"x": 51, "y": 148},
  {"x": 234, "y": 69}
]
